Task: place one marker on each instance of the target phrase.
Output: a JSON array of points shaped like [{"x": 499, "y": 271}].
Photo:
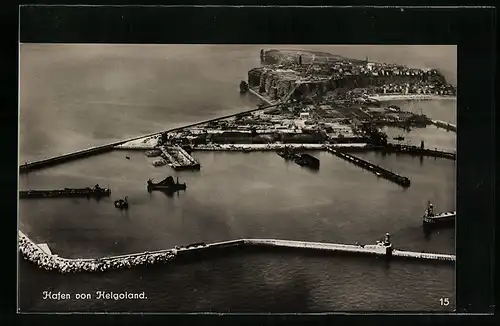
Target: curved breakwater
[
  {"x": 35, "y": 254},
  {"x": 43, "y": 259}
]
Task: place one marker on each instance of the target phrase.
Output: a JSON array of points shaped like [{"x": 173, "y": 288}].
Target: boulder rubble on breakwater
[{"x": 33, "y": 253}]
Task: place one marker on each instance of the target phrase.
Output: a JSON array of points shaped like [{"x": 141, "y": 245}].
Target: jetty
[
  {"x": 88, "y": 192},
  {"x": 415, "y": 151},
  {"x": 178, "y": 159},
  {"x": 83, "y": 153},
  {"x": 381, "y": 249},
  {"x": 42, "y": 256},
  {"x": 444, "y": 125},
  {"x": 105, "y": 148},
  {"x": 377, "y": 170}
]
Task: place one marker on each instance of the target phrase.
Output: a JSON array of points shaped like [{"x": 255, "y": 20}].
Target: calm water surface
[{"x": 73, "y": 96}]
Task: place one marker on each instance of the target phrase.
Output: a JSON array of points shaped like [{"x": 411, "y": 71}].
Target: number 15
[{"x": 444, "y": 301}]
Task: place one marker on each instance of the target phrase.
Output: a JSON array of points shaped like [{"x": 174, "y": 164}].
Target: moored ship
[
  {"x": 304, "y": 159},
  {"x": 97, "y": 191},
  {"x": 168, "y": 185},
  {"x": 430, "y": 218}
]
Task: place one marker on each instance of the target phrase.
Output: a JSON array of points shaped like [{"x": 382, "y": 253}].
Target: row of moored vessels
[{"x": 167, "y": 185}]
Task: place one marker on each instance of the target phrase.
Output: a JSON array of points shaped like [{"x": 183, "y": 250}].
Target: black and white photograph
[{"x": 237, "y": 178}]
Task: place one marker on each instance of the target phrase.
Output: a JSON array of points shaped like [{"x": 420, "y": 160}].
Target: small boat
[
  {"x": 121, "y": 203},
  {"x": 127, "y": 157},
  {"x": 159, "y": 163},
  {"x": 247, "y": 150},
  {"x": 445, "y": 218}
]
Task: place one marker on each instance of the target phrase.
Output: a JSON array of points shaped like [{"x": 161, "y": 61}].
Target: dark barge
[
  {"x": 88, "y": 192},
  {"x": 166, "y": 185},
  {"x": 301, "y": 159},
  {"x": 430, "y": 219},
  {"x": 307, "y": 160}
]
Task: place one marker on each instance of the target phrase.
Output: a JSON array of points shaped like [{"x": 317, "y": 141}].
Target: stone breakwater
[{"x": 33, "y": 253}]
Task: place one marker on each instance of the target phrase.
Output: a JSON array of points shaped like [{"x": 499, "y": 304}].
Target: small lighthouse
[
  {"x": 388, "y": 245},
  {"x": 387, "y": 239},
  {"x": 430, "y": 209}
]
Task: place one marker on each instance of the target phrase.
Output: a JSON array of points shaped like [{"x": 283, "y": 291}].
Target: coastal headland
[{"x": 310, "y": 101}]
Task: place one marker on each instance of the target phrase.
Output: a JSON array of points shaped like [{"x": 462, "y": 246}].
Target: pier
[
  {"x": 445, "y": 125},
  {"x": 379, "y": 171},
  {"x": 41, "y": 255},
  {"x": 179, "y": 159},
  {"x": 257, "y": 94},
  {"x": 415, "y": 150},
  {"x": 66, "y": 157},
  {"x": 376, "y": 250},
  {"x": 40, "y": 164}
]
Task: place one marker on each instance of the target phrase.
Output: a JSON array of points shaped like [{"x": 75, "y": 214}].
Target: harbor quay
[
  {"x": 445, "y": 125},
  {"x": 415, "y": 151},
  {"x": 41, "y": 255}
]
